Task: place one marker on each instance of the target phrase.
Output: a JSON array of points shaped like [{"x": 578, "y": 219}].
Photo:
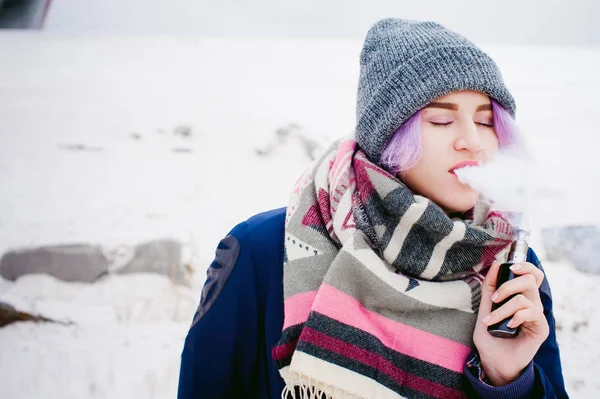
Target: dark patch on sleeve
[{"x": 218, "y": 273}]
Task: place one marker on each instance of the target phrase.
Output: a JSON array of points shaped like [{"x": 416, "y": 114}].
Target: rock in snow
[
  {"x": 159, "y": 256},
  {"x": 85, "y": 263},
  {"x": 579, "y": 245},
  {"x": 73, "y": 263}
]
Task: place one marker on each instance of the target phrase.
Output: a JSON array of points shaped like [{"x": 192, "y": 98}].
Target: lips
[{"x": 463, "y": 164}]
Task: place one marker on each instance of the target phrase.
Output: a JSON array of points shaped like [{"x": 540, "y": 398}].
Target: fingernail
[
  {"x": 487, "y": 319},
  {"x": 495, "y": 296},
  {"x": 510, "y": 323},
  {"x": 516, "y": 266}
]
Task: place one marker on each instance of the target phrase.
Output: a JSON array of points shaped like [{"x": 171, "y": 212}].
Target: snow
[
  {"x": 89, "y": 154},
  {"x": 124, "y": 343}
]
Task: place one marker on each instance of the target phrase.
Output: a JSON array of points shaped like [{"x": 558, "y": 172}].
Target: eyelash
[{"x": 449, "y": 123}]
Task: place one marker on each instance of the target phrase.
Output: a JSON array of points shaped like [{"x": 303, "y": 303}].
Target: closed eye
[{"x": 449, "y": 123}]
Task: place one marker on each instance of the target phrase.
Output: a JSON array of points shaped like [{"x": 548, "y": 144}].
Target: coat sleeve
[
  {"x": 543, "y": 377},
  {"x": 548, "y": 369},
  {"x": 219, "y": 353}
]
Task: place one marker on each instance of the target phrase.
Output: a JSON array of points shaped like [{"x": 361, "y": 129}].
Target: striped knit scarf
[{"x": 381, "y": 287}]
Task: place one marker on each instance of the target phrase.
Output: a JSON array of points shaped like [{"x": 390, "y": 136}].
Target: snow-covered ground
[{"x": 89, "y": 152}]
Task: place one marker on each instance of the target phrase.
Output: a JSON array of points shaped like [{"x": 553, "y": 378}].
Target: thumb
[
  {"x": 489, "y": 283},
  {"x": 487, "y": 289}
]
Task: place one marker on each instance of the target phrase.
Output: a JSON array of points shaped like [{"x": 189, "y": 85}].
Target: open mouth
[{"x": 463, "y": 164}]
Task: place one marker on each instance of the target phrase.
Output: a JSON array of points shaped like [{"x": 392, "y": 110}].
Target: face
[{"x": 455, "y": 128}]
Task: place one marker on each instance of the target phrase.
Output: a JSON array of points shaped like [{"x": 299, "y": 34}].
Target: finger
[
  {"x": 528, "y": 268},
  {"x": 488, "y": 286},
  {"x": 529, "y": 315},
  {"x": 525, "y": 285},
  {"x": 489, "y": 283},
  {"x": 507, "y": 310}
]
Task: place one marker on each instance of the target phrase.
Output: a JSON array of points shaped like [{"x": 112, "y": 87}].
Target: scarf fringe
[{"x": 311, "y": 388}]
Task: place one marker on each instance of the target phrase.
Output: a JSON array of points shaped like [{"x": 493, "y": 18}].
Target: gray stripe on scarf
[
  {"x": 354, "y": 279},
  {"x": 377, "y": 213},
  {"x": 467, "y": 251},
  {"x": 305, "y": 274},
  {"x": 430, "y": 229},
  {"x": 398, "y": 201}
]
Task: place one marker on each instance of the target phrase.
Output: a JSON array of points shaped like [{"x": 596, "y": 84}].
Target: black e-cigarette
[{"x": 517, "y": 254}]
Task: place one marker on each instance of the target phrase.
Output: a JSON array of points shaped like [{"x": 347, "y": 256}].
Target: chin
[
  {"x": 461, "y": 209},
  {"x": 459, "y": 205}
]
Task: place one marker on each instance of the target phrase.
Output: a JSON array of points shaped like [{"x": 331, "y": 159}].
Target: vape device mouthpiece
[{"x": 519, "y": 246}]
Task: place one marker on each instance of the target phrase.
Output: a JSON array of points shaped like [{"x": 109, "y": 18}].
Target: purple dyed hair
[{"x": 405, "y": 149}]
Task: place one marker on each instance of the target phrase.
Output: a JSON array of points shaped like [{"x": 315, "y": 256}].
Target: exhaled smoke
[{"x": 505, "y": 182}]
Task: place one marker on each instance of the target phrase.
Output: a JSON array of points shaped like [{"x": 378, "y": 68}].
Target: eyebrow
[{"x": 454, "y": 107}]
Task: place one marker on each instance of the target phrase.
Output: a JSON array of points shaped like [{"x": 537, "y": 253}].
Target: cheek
[
  {"x": 490, "y": 143},
  {"x": 435, "y": 157},
  {"x": 437, "y": 153},
  {"x": 425, "y": 178}
]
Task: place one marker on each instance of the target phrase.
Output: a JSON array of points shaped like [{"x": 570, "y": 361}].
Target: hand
[{"x": 504, "y": 359}]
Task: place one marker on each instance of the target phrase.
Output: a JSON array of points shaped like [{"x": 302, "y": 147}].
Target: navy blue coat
[{"x": 227, "y": 352}]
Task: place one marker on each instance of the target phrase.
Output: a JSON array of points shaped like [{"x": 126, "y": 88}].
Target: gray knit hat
[{"x": 405, "y": 65}]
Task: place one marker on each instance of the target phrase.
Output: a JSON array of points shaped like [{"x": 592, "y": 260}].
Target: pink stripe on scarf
[
  {"x": 397, "y": 336},
  {"x": 386, "y": 367},
  {"x": 344, "y": 151},
  {"x": 297, "y": 308}
]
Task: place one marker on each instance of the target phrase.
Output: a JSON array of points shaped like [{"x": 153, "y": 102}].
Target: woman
[{"x": 389, "y": 261}]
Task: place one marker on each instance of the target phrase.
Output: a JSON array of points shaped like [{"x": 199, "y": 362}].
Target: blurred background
[{"x": 135, "y": 134}]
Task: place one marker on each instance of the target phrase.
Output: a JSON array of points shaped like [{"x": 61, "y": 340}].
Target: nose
[{"x": 468, "y": 138}]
